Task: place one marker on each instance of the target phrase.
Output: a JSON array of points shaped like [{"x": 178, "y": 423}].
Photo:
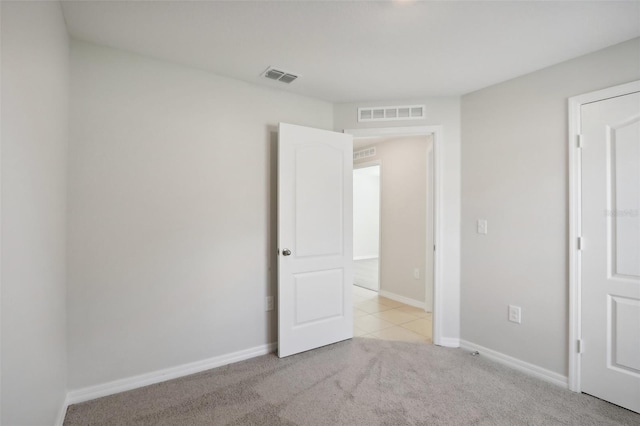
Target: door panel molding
[
  {"x": 619, "y": 207},
  {"x": 628, "y": 357},
  {"x": 575, "y": 219}
]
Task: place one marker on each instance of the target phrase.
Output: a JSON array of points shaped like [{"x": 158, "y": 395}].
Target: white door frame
[
  {"x": 364, "y": 166},
  {"x": 438, "y": 165},
  {"x": 575, "y": 215}
]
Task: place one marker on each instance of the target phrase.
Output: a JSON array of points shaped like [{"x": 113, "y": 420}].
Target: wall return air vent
[
  {"x": 392, "y": 113},
  {"x": 365, "y": 153},
  {"x": 280, "y": 75}
]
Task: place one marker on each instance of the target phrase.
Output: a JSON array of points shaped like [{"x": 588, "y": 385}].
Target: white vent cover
[
  {"x": 280, "y": 75},
  {"x": 365, "y": 153},
  {"x": 392, "y": 113}
]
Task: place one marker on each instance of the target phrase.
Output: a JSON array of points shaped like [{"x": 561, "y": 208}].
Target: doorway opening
[
  {"x": 393, "y": 208},
  {"x": 366, "y": 225}
]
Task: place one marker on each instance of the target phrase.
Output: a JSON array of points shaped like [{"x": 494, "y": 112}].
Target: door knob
[{"x": 286, "y": 252}]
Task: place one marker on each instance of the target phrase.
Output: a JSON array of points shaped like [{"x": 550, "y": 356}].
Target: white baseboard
[
  {"x": 449, "y": 342},
  {"x": 117, "y": 386},
  {"x": 525, "y": 367},
  {"x": 63, "y": 412},
  {"x": 402, "y": 299}
]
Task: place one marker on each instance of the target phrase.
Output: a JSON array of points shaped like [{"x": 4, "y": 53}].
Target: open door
[{"x": 315, "y": 238}]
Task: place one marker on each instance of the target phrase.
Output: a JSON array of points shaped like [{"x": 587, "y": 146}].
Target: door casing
[{"x": 575, "y": 215}]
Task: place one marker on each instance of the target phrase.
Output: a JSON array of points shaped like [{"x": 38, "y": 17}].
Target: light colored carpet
[{"x": 357, "y": 382}]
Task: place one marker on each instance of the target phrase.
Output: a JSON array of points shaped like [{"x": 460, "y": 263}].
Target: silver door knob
[{"x": 286, "y": 252}]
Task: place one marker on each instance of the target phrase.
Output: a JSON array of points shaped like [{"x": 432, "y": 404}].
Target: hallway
[{"x": 378, "y": 317}]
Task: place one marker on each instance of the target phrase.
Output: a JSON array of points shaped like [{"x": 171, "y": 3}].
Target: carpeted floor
[{"x": 357, "y": 382}]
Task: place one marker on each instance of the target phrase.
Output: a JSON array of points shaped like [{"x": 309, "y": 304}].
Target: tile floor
[{"x": 377, "y": 317}]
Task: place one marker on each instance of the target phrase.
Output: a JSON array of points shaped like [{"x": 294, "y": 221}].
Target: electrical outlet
[
  {"x": 416, "y": 273},
  {"x": 269, "y": 303},
  {"x": 515, "y": 314},
  {"x": 482, "y": 226}
]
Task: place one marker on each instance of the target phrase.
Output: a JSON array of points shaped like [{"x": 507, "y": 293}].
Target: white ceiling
[{"x": 360, "y": 51}]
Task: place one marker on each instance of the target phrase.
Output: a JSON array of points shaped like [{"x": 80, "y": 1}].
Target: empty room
[{"x": 319, "y": 212}]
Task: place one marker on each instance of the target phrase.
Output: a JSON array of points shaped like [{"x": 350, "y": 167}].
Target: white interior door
[
  {"x": 610, "y": 259},
  {"x": 315, "y": 238}
]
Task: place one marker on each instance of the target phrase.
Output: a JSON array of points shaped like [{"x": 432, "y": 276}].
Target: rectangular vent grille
[
  {"x": 365, "y": 153},
  {"x": 280, "y": 75},
  {"x": 392, "y": 113}
]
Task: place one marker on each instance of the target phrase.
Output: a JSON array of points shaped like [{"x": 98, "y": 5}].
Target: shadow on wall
[{"x": 272, "y": 226}]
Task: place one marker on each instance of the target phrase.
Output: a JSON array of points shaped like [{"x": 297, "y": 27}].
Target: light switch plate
[
  {"x": 483, "y": 226},
  {"x": 269, "y": 303}
]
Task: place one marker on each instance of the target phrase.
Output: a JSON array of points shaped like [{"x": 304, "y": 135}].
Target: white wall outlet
[
  {"x": 515, "y": 314},
  {"x": 269, "y": 303},
  {"x": 416, "y": 273},
  {"x": 482, "y": 226}
]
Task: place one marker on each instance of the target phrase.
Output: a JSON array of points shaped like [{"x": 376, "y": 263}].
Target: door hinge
[
  {"x": 580, "y": 346},
  {"x": 434, "y": 247},
  {"x": 580, "y": 243},
  {"x": 579, "y": 141}
]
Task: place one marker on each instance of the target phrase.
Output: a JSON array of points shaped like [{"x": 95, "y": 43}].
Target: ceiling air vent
[
  {"x": 279, "y": 75},
  {"x": 392, "y": 113}
]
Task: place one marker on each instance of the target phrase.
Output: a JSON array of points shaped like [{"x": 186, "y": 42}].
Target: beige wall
[
  {"x": 514, "y": 174},
  {"x": 35, "y": 95},
  {"x": 403, "y": 171},
  {"x": 172, "y": 212}
]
